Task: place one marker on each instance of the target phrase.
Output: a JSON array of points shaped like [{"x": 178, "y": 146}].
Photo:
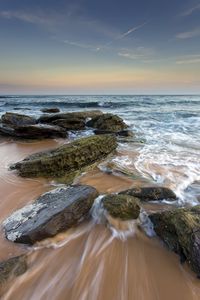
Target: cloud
[
  {"x": 140, "y": 53},
  {"x": 131, "y": 30},
  {"x": 27, "y": 17},
  {"x": 188, "y": 59},
  {"x": 81, "y": 45},
  {"x": 189, "y": 34},
  {"x": 191, "y": 10}
]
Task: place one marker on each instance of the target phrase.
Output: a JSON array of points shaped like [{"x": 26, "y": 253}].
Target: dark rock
[
  {"x": 50, "y": 214},
  {"x": 65, "y": 160},
  {"x": 81, "y": 115},
  {"x": 108, "y": 122},
  {"x": 71, "y": 123},
  {"x": 50, "y": 110},
  {"x": 126, "y": 133},
  {"x": 180, "y": 230},
  {"x": 37, "y": 131},
  {"x": 122, "y": 206},
  {"x": 13, "y": 119},
  {"x": 151, "y": 193},
  {"x": 12, "y": 267}
]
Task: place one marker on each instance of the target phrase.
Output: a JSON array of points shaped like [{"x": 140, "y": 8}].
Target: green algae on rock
[
  {"x": 107, "y": 122},
  {"x": 180, "y": 230},
  {"x": 151, "y": 193},
  {"x": 69, "y": 158},
  {"x": 13, "y": 267},
  {"x": 123, "y": 207}
]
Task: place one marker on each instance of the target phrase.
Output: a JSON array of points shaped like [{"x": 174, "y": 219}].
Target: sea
[{"x": 166, "y": 133}]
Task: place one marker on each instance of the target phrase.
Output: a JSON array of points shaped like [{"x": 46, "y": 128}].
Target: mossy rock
[
  {"x": 180, "y": 230},
  {"x": 69, "y": 158},
  {"x": 108, "y": 122},
  {"x": 151, "y": 193},
  {"x": 123, "y": 207},
  {"x": 12, "y": 267}
]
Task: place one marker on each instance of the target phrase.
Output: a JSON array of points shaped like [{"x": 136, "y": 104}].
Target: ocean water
[{"x": 166, "y": 146}]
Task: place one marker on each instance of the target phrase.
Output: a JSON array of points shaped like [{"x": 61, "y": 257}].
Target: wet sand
[{"x": 88, "y": 262}]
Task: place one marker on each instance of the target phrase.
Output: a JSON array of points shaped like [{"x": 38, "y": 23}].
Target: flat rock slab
[
  {"x": 37, "y": 131},
  {"x": 14, "y": 119},
  {"x": 123, "y": 207},
  {"x": 50, "y": 110},
  {"x": 180, "y": 230},
  {"x": 68, "y": 158},
  {"x": 151, "y": 193},
  {"x": 50, "y": 214},
  {"x": 81, "y": 115},
  {"x": 13, "y": 267}
]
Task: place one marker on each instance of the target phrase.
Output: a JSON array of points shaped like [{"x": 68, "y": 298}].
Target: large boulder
[
  {"x": 151, "y": 193},
  {"x": 72, "y": 123},
  {"x": 13, "y": 119},
  {"x": 107, "y": 122},
  {"x": 123, "y": 207},
  {"x": 69, "y": 158},
  {"x": 50, "y": 214},
  {"x": 13, "y": 267},
  {"x": 180, "y": 230},
  {"x": 81, "y": 115},
  {"x": 50, "y": 110},
  {"x": 37, "y": 131}
]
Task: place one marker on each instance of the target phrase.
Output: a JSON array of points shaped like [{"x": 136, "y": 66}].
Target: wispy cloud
[
  {"x": 190, "y": 10},
  {"x": 188, "y": 59},
  {"x": 140, "y": 53},
  {"x": 131, "y": 30},
  {"x": 36, "y": 18},
  {"x": 189, "y": 34},
  {"x": 81, "y": 45}
]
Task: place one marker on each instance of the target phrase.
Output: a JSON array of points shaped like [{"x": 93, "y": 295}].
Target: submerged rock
[
  {"x": 36, "y": 131},
  {"x": 122, "y": 206},
  {"x": 71, "y": 123},
  {"x": 151, "y": 193},
  {"x": 13, "y": 119},
  {"x": 50, "y": 110},
  {"x": 69, "y": 158},
  {"x": 180, "y": 230},
  {"x": 81, "y": 115},
  {"x": 107, "y": 122},
  {"x": 50, "y": 214},
  {"x": 12, "y": 267}
]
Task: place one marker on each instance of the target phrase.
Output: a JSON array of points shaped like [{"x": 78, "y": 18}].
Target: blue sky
[{"x": 103, "y": 47}]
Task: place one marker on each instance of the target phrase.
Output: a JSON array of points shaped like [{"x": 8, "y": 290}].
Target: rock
[
  {"x": 68, "y": 158},
  {"x": 50, "y": 110},
  {"x": 36, "y": 131},
  {"x": 180, "y": 230},
  {"x": 151, "y": 193},
  {"x": 50, "y": 214},
  {"x": 122, "y": 206},
  {"x": 126, "y": 133},
  {"x": 13, "y": 119},
  {"x": 81, "y": 115},
  {"x": 70, "y": 123},
  {"x": 107, "y": 122},
  {"x": 12, "y": 267}
]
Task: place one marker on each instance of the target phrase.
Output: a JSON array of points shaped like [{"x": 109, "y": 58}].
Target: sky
[{"x": 100, "y": 47}]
